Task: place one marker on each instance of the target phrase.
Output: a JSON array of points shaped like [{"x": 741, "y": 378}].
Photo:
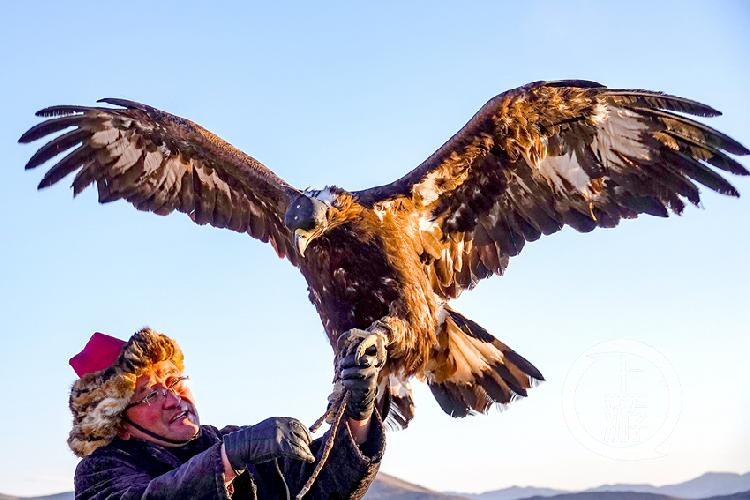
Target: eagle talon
[
  {"x": 363, "y": 344},
  {"x": 372, "y": 344}
]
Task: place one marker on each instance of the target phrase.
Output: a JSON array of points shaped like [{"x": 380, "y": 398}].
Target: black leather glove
[
  {"x": 362, "y": 359},
  {"x": 272, "y": 438}
]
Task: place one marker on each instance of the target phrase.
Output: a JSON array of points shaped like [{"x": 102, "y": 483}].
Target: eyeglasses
[{"x": 175, "y": 386}]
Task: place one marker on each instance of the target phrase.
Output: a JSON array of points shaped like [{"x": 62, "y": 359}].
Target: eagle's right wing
[
  {"x": 160, "y": 163},
  {"x": 550, "y": 154}
]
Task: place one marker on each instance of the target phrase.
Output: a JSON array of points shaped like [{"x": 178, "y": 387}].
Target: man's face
[{"x": 173, "y": 416}]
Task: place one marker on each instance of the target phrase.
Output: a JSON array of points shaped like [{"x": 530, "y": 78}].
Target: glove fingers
[
  {"x": 361, "y": 355},
  {"x": 299, "y": 438},
  {"x": 358, "y": 387},
  {"x": 361, "y": 386},
  {"x": 352, "y": 361},
  {"x": 360, "y": 373},
  {"x": 297, "y": 450},
  {"x": 362, "y": 398},
  {"x": 270, "y": 438},
  {"x": 301, "y": 431}
]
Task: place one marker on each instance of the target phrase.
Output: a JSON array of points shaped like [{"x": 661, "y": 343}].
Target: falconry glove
[
  {"x": 362, "y": 357},
  {"x": 272, "y": 438}
]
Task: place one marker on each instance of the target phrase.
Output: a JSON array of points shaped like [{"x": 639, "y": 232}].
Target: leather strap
[{"x": 157, "y": 436}]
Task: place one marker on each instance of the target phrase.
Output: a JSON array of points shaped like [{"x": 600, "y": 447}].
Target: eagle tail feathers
[
  {"x": 395, "y": 403},
  {"x": 474, "y": 371}
]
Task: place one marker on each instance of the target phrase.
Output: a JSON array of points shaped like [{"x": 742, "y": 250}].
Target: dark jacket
[{"x": 134, "y": 469}]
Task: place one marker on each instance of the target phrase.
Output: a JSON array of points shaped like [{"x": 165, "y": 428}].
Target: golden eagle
[{"x": 390, "y": 258}]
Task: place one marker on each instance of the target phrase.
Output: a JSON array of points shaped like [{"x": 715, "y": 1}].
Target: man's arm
[
  {"x": 350, "y": 467},
  {"x": 361, "y": 356},
  {"x": 360, "y": 441},
  {"x": 359, "y": 429},
  {"x": 113, "y": 477}
]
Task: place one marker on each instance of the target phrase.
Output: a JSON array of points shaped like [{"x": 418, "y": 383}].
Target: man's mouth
[{"x": 179, "y": 416}]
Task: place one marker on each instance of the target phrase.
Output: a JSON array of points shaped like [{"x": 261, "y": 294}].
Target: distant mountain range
[
  {"x": 390, "y": 487},
  {"x": 710, "y": 486}
]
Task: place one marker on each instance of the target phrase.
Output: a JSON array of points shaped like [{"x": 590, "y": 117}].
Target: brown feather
[
  {"x": 145, "y": 156},
  {"x": 560, "y": 153}
]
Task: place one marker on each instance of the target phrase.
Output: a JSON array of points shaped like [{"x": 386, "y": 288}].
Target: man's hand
[
  {"x": 272, "y": 438},
  {"x": 362, "y": 355}
]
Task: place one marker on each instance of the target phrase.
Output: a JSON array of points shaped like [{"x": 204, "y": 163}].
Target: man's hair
[{"x": 98, "y": 399}]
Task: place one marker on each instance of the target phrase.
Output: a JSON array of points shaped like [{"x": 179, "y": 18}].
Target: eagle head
[{"x": 312, "y": 213}]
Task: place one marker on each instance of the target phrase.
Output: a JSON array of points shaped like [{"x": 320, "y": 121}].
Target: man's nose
[{"x": 171, "y": 399}]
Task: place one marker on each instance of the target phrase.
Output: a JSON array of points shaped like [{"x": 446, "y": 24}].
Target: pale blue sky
[{"x": 356, "y": 94}]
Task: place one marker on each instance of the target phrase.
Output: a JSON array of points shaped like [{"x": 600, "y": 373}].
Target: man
[{"x": 136, "y": 427}]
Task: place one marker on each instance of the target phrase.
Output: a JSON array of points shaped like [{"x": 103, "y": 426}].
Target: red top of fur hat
[{"x": 100, "y": 352}]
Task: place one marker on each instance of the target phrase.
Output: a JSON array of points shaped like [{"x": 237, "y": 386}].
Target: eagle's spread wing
[
  {"x": 160, "y": 162},
  {"x": 549, "y": 154}
]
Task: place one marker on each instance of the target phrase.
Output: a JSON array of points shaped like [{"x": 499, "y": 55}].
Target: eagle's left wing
[
  {"x": 549, "y": 154},
  {"x": 161, "y": 163}
]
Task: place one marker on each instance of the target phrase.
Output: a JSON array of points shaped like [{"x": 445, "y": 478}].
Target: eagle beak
[
  {"x": 306, "y": 219},
  {"x": 302, "y": 238}
]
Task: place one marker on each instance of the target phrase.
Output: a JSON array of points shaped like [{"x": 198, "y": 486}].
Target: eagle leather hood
[
  {"x": 305, "y": 213},
  {"x": 98, "y": 399}
]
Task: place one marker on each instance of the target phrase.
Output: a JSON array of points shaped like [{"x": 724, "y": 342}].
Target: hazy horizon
[{"x": 536, "y": 486}]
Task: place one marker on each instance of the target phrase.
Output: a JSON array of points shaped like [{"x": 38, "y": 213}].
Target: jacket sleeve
[
  {"x": 350, "y": 467},
  {"x": 114, "y": 477}
]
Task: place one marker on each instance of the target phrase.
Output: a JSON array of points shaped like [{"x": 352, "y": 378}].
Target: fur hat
[{"x": 97, "y": 399}]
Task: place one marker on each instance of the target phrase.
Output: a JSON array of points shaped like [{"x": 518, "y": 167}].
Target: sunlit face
[{"x": 173, "y": 415}]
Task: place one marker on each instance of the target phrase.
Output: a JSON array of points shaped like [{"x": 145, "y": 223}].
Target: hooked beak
[
  {"x": 302, "y": 238},
  {"x": 306, "y": 218}
]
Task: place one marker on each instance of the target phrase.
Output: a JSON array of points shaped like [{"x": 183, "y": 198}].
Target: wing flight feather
[
  {"x": 161, "y": 163},
  {"x": 550, "y": 154}
]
